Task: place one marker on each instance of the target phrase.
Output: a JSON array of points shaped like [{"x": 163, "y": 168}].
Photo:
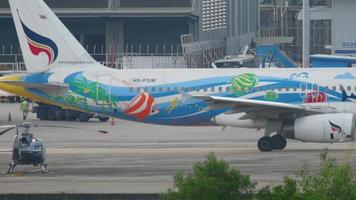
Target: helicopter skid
[
  {"x": 11, "y": 168},
  {"x": 44, "y": 168},
  {"x": 12, "y": 165}
]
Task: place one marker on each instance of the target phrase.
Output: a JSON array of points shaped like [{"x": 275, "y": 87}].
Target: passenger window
[
  {"x": 153, "y": 89},
  {"x": 295, "y": 89},
  {"x": 342, "y": 88},
  {"x": 138, "y": 89},
  {"x": 145, "y": 89},
  {"x": 327, "y": 87},
  {"x": 279, "y": 89},
  {"x": 220, "y": 89},
  {"x": 168, "y": 89},
  {"x": 131, "y": 89},
  {"x": 227, "y": 89},
  {"x": 334, "y": 88},
  {"x": 175, "y": 89},
  {"x": 349, "y": 88},
  {"x": 212, "y": 89},
  {"x": 287, "y": 89},
  {"x": 304, "y": 87},
  {"x": 315, "y": 87},
  {"x": 161, "y": 89},
  {"x": 205, "y": 89}
]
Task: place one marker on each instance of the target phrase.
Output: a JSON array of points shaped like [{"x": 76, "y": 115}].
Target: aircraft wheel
[
  {"x": 265, "y": 144},
  {"x": 279, "y": 142},
  {"x": 104, "y": 119},
  {"x": 84, "y": 117}
]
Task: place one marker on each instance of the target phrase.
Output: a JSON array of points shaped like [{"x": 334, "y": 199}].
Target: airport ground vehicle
[
  {"x": 56, "y": 113},
  {"x": 6, "y": 97}
]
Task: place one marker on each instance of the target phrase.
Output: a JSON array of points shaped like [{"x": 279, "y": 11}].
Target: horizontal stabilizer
[{"x": 51, "y": 89}]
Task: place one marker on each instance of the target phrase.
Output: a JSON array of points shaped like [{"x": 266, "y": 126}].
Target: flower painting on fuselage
[
  {"x": 172, "y": 103},
  {"x": 316, "y": 97}
]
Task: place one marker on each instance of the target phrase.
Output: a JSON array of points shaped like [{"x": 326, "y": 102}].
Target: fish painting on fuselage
[
  {"x": 281, "y": 101},
  {"x": 166, "y": 102}
]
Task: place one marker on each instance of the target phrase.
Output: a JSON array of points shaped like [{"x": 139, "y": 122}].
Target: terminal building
[
  {"x": 113, "y": 30},
  {"x": 332, "y": 28}
]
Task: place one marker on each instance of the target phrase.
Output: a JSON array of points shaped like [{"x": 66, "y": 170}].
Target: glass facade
[{"x": 4, "y": 4}]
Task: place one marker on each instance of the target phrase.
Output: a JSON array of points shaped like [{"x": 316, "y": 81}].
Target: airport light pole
[{"x": 306, "y": 34}]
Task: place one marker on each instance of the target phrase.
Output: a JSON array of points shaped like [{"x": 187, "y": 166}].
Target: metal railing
[
  {"x": 68, "y": 3},
  {"x": 141, "y": 57}
]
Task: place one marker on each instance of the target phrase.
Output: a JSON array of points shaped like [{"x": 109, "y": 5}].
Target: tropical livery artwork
[
  {"x": 311, "y": 105},
  {"x": 170, "y": 103}
]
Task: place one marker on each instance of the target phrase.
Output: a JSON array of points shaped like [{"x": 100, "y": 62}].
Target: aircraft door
[
  {"x": 303, "y": 90},
  {"x": 103, "y": 90}
]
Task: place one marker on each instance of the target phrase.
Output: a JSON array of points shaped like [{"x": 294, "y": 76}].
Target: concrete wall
[
  {"x": 344, "y": 27},
  {"x": 242, "y": 24}
]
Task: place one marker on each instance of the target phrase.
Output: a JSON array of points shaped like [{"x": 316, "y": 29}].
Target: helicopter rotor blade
[
  {"x": 75, "y": 128},
  {"x": 7, "y": 129}
]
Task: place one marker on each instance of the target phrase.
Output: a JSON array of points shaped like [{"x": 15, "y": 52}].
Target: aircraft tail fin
[{"x": 45, "y": 42}]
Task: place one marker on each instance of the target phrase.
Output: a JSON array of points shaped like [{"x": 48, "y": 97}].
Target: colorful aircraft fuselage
[{"x": 164, "y": 96}]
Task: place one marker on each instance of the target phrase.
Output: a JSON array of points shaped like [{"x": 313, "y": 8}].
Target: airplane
[{"x": 305, "y": 104}]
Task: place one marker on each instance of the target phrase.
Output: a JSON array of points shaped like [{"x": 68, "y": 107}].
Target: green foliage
[
  {"x": 332, "y": 182},
  {"x": 288, "y": 191},
  {"x": 211, "y": 180}
]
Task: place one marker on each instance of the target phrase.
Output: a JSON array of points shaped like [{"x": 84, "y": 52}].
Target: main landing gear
[{"x": 276, "y": 142}]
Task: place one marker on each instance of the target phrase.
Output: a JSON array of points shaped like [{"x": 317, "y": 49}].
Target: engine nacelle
[{"x": 322, "y": 128}]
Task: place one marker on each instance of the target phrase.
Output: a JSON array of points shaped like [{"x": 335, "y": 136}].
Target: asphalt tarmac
[{"x": 142, "y": 158}]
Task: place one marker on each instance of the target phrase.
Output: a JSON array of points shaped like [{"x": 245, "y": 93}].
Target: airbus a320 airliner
[{"x": 310, "y": 105}]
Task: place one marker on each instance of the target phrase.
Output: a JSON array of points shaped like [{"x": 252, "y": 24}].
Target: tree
[
  {"x": 211, "y": 180},
  {"x": 214, "y": 180},
  {"x": 332, "y": 182}
]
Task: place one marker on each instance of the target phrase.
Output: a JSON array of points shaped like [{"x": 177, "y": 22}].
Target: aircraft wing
[{"x": 254, "y": 109}]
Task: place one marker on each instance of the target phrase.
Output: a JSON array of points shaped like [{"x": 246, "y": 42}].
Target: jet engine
[{"x": 322, "y": 128}]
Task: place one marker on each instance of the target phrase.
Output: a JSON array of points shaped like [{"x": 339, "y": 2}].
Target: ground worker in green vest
[{"x": 25, "y": 107}]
